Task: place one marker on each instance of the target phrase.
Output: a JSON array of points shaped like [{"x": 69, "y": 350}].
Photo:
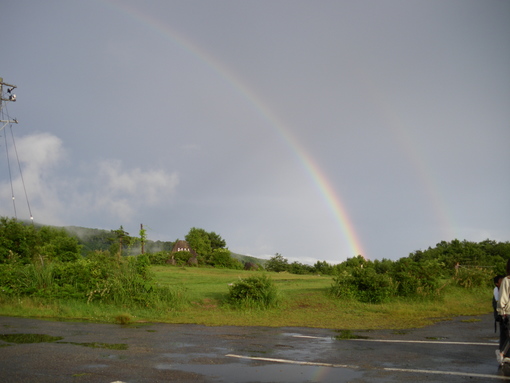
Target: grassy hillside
[
  {"x": 305, "y": 302},
  {"x": 54, "y": 281}
]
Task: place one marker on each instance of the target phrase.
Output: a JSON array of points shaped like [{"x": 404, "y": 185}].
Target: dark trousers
[{"x": 503, "y": 335}]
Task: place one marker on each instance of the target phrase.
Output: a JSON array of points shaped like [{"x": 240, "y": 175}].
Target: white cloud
[
  {"x": 122, "y": 191},
  {"x": 412, "y": 147},
  {"x": 55, "y": 198},
  {"x": 40, "y": 151},
  {"x": 39, "y": 154}
]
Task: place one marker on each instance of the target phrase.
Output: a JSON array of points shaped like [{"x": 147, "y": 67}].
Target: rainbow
[
  {"x": 411, "y": 150},
  {"x": 424, "y": 173},
  {"x": 310, "y": 166}
]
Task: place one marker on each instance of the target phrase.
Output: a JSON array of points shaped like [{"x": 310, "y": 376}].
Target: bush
[
  {"x": 222, "y": 258},
  {"x": 23, "y": 243},
  {"x": 300, "y": 268},
  {"x": 323, "y": 268},
  {"x": 254, "y": 292},
  {"x": 473, "y": 277},
  {"x": 365, "y": 285},
  {"x": 97, "y": 278},
  {"x": 378, "y": 282},
  {"x": 159, "y": 258},
  {"x": 182, "y": 257},
  {"x": 17, "y": 241},
  {"x": 418, "y": 279},
  {"x": 343, "y": 286}
]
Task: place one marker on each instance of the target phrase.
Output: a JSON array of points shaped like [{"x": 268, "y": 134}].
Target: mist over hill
[{"x": 102, "y": 240}]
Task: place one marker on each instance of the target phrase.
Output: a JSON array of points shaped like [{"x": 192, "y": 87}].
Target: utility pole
[
  {"x": 143, "y": 237},
  {"x": 5, "y": 119},
  {"x": 9, "y": 97}
]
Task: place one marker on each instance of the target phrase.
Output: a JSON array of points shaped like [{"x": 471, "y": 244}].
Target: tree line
[{"x": 55, "y": 262}]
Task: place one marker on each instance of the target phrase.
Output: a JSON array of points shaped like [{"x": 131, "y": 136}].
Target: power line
[{"x": 5, "y": 120}]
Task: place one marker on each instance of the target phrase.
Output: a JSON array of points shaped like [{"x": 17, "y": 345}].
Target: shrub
[
  {"x": 365, "y": 285},
  {"x": 159, "y": 258},
  {"x": 222, "y": 258},
  {"x": 182, "y": 257},
  {"x": 418, "y": 279},
  {"x": 253, "y": 292},
  {"x": 473, "y": 277},
  {"x": 98, "y": 278},
  {"x": 17, "y": 241},
  {"x": 299, "y": 268},
  {"x": 343, "y": 286},
  {"x": 323, "y": 268}
]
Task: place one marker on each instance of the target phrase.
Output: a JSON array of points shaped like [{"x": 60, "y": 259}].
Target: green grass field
[{"x": 304, "y": 303}]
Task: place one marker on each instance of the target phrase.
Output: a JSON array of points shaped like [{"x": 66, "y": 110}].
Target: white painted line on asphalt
[
  {"x": 427, "y": 341},
  {"x": 437, "y": 372},
  {"x": 408, "y": 370},
  {"x": 404, "y": 341},
  {"x": 292, "y": 361}
]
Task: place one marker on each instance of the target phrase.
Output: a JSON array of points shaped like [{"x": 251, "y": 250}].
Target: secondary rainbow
[{"x": 316, "y": 174}]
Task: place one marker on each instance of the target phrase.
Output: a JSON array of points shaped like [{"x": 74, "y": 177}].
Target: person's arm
[{"x": 504, "y": 297}]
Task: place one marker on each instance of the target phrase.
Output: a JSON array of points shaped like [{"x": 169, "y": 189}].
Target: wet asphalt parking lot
[{"x": 457, "y": 350}]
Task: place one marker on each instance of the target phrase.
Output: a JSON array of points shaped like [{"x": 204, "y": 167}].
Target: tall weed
[{"x": 100, "y": 278}]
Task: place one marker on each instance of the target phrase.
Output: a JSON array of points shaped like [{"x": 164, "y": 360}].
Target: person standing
[
  {"x": 504, "y": 311},
  {"x": 495, "y": 295}
]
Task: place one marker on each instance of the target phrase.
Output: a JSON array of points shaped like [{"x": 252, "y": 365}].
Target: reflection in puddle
[
  {"x": 109, "y": 346},
  {"x": 244, "y": 373},
  {"x": 321, "y": 339},
  {"x": 29, "y": 338}
]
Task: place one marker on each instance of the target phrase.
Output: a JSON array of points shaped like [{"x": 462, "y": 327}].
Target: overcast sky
[{"x": 313, "y": 129}]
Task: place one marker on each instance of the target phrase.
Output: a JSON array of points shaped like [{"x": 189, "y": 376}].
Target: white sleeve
[{"x": 504, "y": 297}]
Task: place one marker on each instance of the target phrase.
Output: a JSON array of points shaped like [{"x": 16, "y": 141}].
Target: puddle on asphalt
[
  {"x": 348, "y": 334},
  {"x": 323, "y": 339},
  {"x": 284, "y": 373},
  {"x": 342, "y": 334},
  {"x": 108, "y": 346},
  {"x": 29, "y": 338},
  {"x": 43, "y": 338}
]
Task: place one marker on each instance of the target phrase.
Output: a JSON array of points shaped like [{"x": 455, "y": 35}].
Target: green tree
[
  {"x": 123, "y": 238},
  {"x": 299, "y": 268},
  {"x": 383, "y": 266},
  {"x": 199, "y": 240},
  {"x": 277, "y": 263},
  {"x": 323, "y": 268},
  {"x": 57, "y": 244},
  {"x": 216, "y": 241},
  {"x": 223, "y": 258},
  {"x": 351, "y": 263},
  {"x": 17, "y": 241},
  {"x": 143, "y": 239},
  {"x": 23, "y": 243}
]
